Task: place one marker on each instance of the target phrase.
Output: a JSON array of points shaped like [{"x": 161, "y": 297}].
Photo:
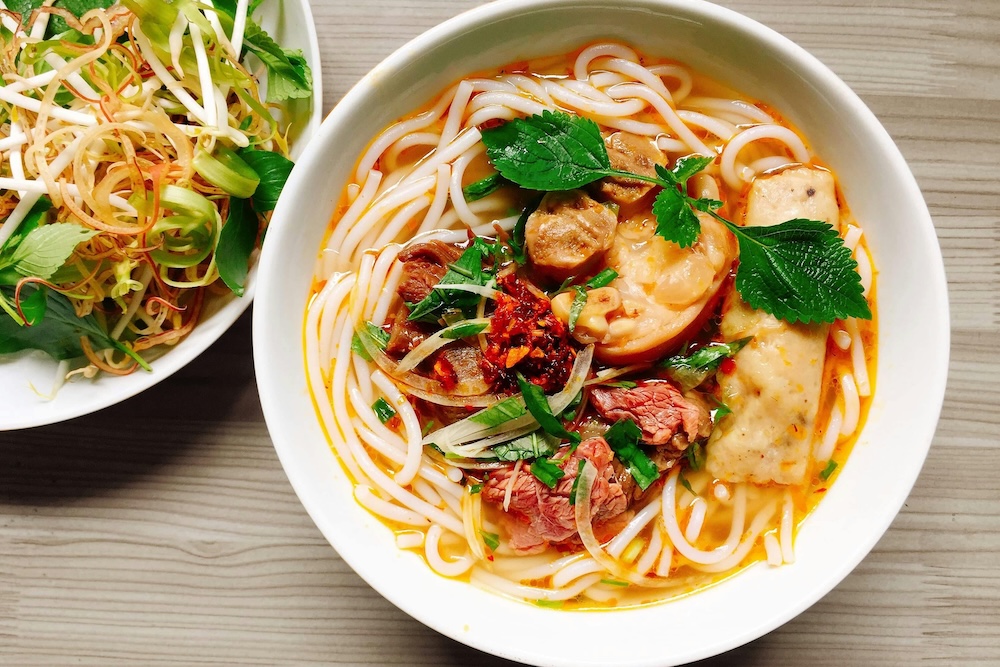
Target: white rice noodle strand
[
  {"x": 852, "y": 404},
  {"x": 453, "y": 568},
  {"x": 750, "y": 135}
]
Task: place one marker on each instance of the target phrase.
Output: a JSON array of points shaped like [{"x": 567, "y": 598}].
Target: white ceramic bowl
[
  {"x": 913, "y": 334},
  {"x": 291, "y": 24}
]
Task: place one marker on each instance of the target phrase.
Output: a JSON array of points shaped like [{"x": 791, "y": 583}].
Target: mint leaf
[
  {"x": 553, "y": 151},
  {"x": 799, "y": 271},
  {"x": 467, "y": 270},
  {"x": 237, "y": 240},
  {"x": 46, "y": 248},
  {"x": 484, "y": 187},
  {"x": 36, "y": 218},
  {"x": 273, "y": 170},
  {"x": 675, "y": 221},
  {"x": 463, "y": 331},
  {"x": 288, "y": 74}
]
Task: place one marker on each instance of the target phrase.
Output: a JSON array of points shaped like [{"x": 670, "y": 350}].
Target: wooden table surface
[{"x": 163, "y": 530}]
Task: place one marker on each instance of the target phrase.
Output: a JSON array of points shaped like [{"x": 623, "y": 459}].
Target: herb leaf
[
  {"x": 464, "y": 331},
  {"x": 504, "y": 411},
  {"x": 686, "y": 167},
  {"x": 46, "y": 248},
  {"x": 675, "y": 221},
  {"x": 623, "y": 438},
  {"x": 383, "y": 410},
  {"x": 492, "y": 540},
  {"x": 553, "y": 151},
  {"x": 538, "y": 406},
  {"x": 237, "y": 240},
  {"x": 483, "y": 187},
  {"x": 467, "y": 270},
  {"x": 547, "y": 472},
  {"x": 690, "y": 371},
  {"x": 576, "y": 481},
  {"x": 516, "y": 242},
  {"x": 799, "y": 271},
  {"x": 288, "y": 74},
  {"x": 579, "y": 302},
  {"x": 531, "y": 446},
  {"x": 602, "y": 279},
  {"x": 273, "y": 170}
]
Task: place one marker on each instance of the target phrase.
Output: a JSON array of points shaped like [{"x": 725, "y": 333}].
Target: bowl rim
[
  {"x": 268, "y": 375},
  {"x": 207, "y": 332}
]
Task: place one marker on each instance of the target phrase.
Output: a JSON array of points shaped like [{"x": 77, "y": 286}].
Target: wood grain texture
[{"x": 163, "y": 531}]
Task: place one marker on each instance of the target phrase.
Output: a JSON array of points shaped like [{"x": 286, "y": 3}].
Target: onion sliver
[
  {"x": 468, "y": 430},
  {"x": 432, "y": 344}
]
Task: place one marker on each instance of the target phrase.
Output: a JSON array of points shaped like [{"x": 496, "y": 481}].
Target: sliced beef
[
  {"x": 424, "y": 264},
  {"x": 568, "y": 233},
  {"x": 629, "y": 152},
  {"x": 659, "y": 409},
  {"x": 539, "y": 516},
  {"x": 405, "y": 335}
]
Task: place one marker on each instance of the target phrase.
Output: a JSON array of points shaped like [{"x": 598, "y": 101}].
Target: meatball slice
[
  {"x": 568, "y": 233},
  {"x": 629, "y": 152}
]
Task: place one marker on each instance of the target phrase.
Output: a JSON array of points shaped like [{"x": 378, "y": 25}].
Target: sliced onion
[
  {"x": 432, "y": 344},
  {"x": 584, "y": 519},
  {"x": 468, "y": 430},
  {"x": 481, "y": 290}
]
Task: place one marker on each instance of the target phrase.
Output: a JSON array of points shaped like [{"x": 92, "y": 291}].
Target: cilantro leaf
[
  {"x": 553, "y": 151},
  {"x": 675, "y": 221},
  {"x": 623, "y": 438},
  {"x": 799, "y": 271},
  {"x": 547, "y": 472},
  {"x": 538, "y": 406}
]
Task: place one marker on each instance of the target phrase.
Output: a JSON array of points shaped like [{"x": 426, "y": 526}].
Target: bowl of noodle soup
[{"x": 607, "y": 362}]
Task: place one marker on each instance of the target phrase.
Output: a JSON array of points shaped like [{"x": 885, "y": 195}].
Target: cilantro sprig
[{"x": 798, "y": 271}]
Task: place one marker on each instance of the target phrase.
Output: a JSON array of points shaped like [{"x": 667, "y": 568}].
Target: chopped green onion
[
  {"x": 831, "y": 465},
  {"x": 463, "y": 331},
  {"x": 383, "y": 410},
  {"x": 484, "y": 187},
  {"x": 614, "y": 582},
  {"x": 550, "y": 604},
  {"x": 547, "y": 472},
  {"x": 359, "y": 347},
  {"x": 579, "y": 302},
  {"x": 227, "y": 170},
  {"x": 475, "y": 488},
  {"x": 602, "y": 279},
  {"x": 576, "y": 481},
  {"x": 623, "y": 438},
  {"x": 530, "y": 446},
  {"x": 622, "y": 384},
  {"x": 538, "y": 406},
  {"x": 492, "y": 540}
]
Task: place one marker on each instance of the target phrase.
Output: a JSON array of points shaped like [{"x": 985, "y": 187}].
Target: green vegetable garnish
[
  {"x": 579, "y": 301},
  {"x": 538, "y": 406},
  {"x": 623, "y": 438},
  {"x": 383, "y": 410},
  {"x": 374, "y": 335},
  {"x": 622, "y": 384},
  {"x": 504, "y": 411},
  {"x": 237, "y": 241},
  {"x": 576, "y": 481},
  {"x": 547, "y": 472},
  {"x": 799, "y": 270},
  {"x": 475, "y": 488},
  {"x": 695, "y": 455},
  {"x": 484, "y": 187},
  {"x": 492, "y": 540},
  {"x": 614, "y": 582},
  {"x": 516, "y": 241},
  {"x": 530, "y": 446},
  {"x": 272, "y": 169},
  {"x": 467, "y": 270},
  {"x": 464, "y": 331},
  {"x": 831, "y": 465},
  {"x": 550, "y": 604},
  {"x": 602, "y": 279},
  {"x": 691, "y": 370},
  {"x": 686, "y": 484}
]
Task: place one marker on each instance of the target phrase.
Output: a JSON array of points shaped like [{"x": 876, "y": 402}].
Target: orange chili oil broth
[{"x": 805, "y": 496}]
